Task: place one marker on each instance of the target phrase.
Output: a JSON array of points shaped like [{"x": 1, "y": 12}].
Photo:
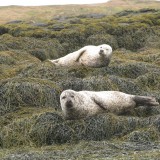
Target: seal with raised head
[
  {"x": 76, "y": 105},
  {"x": 89, "y": 56}
]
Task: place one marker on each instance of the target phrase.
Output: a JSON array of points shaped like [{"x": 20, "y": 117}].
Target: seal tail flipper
[{"x": 145, "y": 100}]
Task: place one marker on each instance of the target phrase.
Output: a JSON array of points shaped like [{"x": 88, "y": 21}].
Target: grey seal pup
[
  {"x": 76, "y": 105},
  {"x": 89, "y": 56}
]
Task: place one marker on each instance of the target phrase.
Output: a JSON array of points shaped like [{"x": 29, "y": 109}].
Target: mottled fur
[
  {"x": 82, "y": 104},
  {"x": 90, "y": 56}
]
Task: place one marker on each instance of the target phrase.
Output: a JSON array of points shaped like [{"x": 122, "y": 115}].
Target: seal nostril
[
  {"x": 101, "y": 52},
  {"x": 69, "y": 104}
]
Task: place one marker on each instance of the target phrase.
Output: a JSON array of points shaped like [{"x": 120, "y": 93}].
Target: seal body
[
  {"x": 76, "y": 105},
  {"x": 89, "y": 56}
]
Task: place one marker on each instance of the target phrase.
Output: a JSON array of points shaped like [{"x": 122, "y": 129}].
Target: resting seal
[
  {"x": 90, "y": 56},
  {"x": 76, "y": 105}
]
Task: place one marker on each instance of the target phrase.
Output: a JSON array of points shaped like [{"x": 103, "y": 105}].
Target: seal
[
  {"x": 89, "y": 56},
  {"x": 76, "y": 105}
]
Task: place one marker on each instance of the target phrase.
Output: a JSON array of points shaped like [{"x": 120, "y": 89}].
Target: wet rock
[
  {"x": 40, "y": 24},
  {"x": 92, "y": 15},
  {"x": 15, "y": 22}
]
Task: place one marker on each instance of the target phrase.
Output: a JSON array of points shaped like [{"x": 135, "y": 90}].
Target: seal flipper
[
  {"x": 55, "y": 62},
  {"x": 145, "y": 100},
  {"x": 80, "y": 54},
  {"x": 99, "y": 104}
]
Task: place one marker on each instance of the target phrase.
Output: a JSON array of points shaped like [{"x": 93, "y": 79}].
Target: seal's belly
[{"x": 93, "y": 61}]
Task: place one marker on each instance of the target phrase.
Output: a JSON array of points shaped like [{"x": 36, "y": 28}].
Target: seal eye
[
  {"x": 63, "y": 97},
  {"x": 107, "y": 49},
  {"x": 72, "y": 96}
]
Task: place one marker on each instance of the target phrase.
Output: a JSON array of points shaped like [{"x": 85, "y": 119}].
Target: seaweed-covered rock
[
  {"x": 49, "y": 129},
  {"x": 143, "y": 136},
  {"x": 149, "y": 80},
  {"x": 156, "y": 123},
  {"x": 16, "y": 57},
  {"x": 19, "y": 92},
  {"x": 98, "y": 39},
  {"x": 92, "y": 15},
  {"x": 3, "y": 30},
  {"x": 51, "y": 48},
  {"x": 49, "y": 117},
  {"x": 106, "y": 126},
  {"x": 47, "y": 70},
  {"x": 128, "y": 70},
  {"x": 16, "y": 133},
  {"x": 13, "y": 61},
  {"x": 94, "y": 83},
  {"x": 40, "y": 24},
  {"x": 15, "y": 22},
  {"x": 92, "y": 150},
  {"x": 125, "y": 85},
  {"x": 77, "y": 78}
]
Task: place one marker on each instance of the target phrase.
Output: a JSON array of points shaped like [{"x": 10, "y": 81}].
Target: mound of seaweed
[
  {"x": 13, "y": 61},
  {"x": 51, "y": 129},
  {"x": 97, "y": 128},
  {"x": 130, "y": 31},
  {"x": 20, "y": 92},
  {"x": 97, "y": 150},
  {"x": 30, "y": 85},
  {"x": 40, "y": 48}
]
